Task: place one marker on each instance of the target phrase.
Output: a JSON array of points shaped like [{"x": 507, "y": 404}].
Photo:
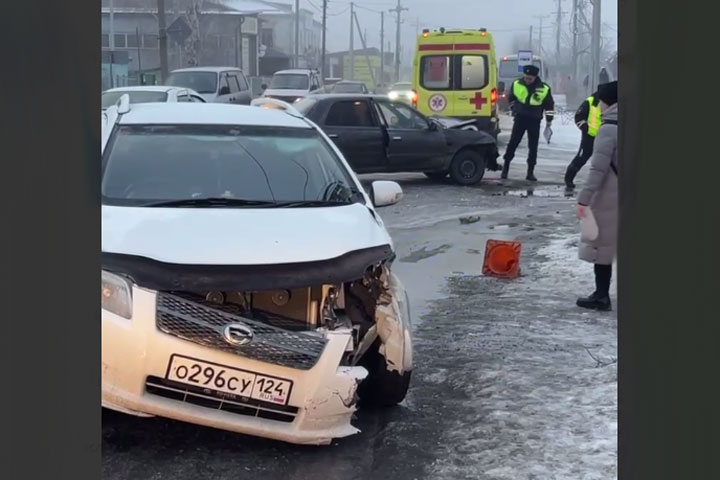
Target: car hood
[
  {"x": 240, "y": 236},
  {"x": 279, "y": 92}
]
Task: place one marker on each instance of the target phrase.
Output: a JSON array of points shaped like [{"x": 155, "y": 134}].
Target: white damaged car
[{"x": 246, "y": 280}]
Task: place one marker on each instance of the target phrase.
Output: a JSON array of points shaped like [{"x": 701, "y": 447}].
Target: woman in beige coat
[{"x": 600, "y": 195}]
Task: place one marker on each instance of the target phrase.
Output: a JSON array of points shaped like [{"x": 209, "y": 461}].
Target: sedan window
[
  {"x": 350, "y": 113},
  {"x": 397, "y": 115}
]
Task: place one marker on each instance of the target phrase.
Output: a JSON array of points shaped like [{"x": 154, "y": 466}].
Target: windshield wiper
[
  {"x": 312, "y": 203},
  {"x": 211, "y": 202}
]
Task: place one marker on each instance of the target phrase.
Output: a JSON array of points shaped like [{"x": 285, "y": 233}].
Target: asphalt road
[{"x": 512, "y": 381}]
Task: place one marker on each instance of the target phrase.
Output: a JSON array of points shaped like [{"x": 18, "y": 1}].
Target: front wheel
[
  {"x": 467, "y": 167},
  {"x": 382, "y": 387}
]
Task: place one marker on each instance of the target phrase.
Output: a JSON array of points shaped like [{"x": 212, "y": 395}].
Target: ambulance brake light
[
  {"x": 414, "y": 98},
  {"x": 493, "y": 96}
]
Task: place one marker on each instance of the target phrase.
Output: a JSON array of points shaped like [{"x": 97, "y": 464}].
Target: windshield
[
  {"x": 110, "y": 98},
  {"x": 290, "y": 81},
  {"x": 152, "y": 164},
  {"x": 201, "y": 82},
  {"x": 509, "y": 68},
  {"x": 348, "y": 88}
]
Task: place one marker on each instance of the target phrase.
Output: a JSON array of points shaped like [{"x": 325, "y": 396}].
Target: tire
[
  {"x": 467, "y": 167},
  {"x": 381, "y": 388},
  {"x": 436, "y": 175}
]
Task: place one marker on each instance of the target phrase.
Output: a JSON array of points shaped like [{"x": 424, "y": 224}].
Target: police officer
[
  {"x": 587, "y": 118},
  {"x": 529, "y": 97}
]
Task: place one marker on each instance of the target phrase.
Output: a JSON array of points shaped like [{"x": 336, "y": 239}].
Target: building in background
[
  {"x": 367, "y": 66},
  {"x": 225, "y": 33},
  {"x": 277, "y": 37}
]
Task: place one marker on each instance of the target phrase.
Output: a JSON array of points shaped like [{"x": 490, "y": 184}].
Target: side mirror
[
  {"x": 432, "y": 126},
  {"x": 385, "y": 193},
  {"x": 501, "y": 87},
  {"x": 263, "y": 86},
  {"x": 224, "y": 91}
]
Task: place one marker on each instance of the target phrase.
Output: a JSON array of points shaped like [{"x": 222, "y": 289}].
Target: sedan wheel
[{"x": 468, "y": 167}]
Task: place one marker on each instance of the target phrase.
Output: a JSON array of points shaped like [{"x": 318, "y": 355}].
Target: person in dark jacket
[
  {"x": 529, "y": 98},
  {"x": 587, "y": 118},
  {"x": 600, "y": 196}
]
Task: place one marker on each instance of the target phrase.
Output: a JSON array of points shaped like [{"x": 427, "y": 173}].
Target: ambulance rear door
[
  {"x": 434, "y": 85},
  {"x": 474, "y": 80}
]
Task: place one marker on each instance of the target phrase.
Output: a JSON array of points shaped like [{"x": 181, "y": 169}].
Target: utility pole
[
  {"x": 352, "y": 42},
  {"x": 162, "y": 37},
  {"x": 297, "y": 33},
  {"x": 398, "y": 12},
  {"x": 595, "y": 46},
  {"x": 367, "y": 58},
  {"x": 382, "y": 48},
  {"x": 530, "y": 42},
  {"x": 575, "y": 41},
  {"x": 111, "y": 43},
  {"x": 558, "y": 23},
  {"x": 324, "y": 30},
  {"x": 540, "y": 34}
]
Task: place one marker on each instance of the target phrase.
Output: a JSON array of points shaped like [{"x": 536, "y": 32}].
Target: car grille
[
  {"x": 206, "y": 398},
  {"x": 204, "y": 325}
]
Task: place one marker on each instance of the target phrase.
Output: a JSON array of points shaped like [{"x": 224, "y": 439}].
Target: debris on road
[{"x": 469, "y": 219}]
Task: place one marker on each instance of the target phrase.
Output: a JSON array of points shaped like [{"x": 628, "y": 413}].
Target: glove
[{"x": 548, "y": 133}]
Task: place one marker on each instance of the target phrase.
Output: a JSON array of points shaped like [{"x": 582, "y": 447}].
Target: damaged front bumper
[{"x": 136, "y": 378}]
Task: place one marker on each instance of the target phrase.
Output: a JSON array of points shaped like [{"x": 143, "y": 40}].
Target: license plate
[{"x": 229, "y": 380}]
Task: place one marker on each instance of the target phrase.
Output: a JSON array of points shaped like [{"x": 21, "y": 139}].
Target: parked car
[
  {"x": 348, "y": 86},
  {"x": 292, "y": 85},
  {"x": 246, "y": 274},
  {"x": 403, "y": 92},
  {"x": 377, "y": 134},
  {"x": 150, "y": 94},
  {"x": 215, "y": 84}
]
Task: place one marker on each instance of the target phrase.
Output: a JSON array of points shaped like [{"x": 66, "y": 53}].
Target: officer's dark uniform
[
  {"x": 588, "y": 117},
  {"x": 528, "y": 104}
]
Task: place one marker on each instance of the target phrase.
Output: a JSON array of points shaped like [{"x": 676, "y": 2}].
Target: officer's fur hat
[{"x": 531, "y": 70}]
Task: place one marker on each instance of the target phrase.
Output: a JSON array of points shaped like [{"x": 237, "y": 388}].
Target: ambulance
[{"x": 455, "y": 74}]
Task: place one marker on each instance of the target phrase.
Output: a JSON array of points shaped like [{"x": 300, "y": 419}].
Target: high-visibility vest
[
  {"x": 594, "y": 118},
  {"x": 521, "y": 92}
]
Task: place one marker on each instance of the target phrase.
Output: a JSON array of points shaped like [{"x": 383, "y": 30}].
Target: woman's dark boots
[
  {"x": 595, "y": 302},
  {"x": 600, "y": 298}
]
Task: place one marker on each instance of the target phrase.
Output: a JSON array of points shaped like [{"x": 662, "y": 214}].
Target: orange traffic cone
[{"x": 502, "y": 259}]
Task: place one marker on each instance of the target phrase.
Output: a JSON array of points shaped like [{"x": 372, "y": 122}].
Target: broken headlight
[{"x": 116, "y": 295}]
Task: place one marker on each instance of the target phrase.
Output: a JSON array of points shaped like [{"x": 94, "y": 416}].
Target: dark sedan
[{"x": 376, "y": 134}]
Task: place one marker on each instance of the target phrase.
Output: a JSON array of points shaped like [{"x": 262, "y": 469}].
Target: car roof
[
  {"x": 347, "y": 96},
  {"x": 295, "y": 70},
  {"x": 207, "y": 69},
  {"x": 208, "y": 114},
  {"x": 143, "y": 88},
  {"x": 349, "y": 82}
]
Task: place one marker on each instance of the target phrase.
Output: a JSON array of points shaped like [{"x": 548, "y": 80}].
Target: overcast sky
[{"x": 505, "y": 18}]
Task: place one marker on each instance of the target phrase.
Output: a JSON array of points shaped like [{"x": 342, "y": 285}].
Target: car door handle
[
  {"x": 397, "y": 138},
  {"x": 333, "y": 135}
]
